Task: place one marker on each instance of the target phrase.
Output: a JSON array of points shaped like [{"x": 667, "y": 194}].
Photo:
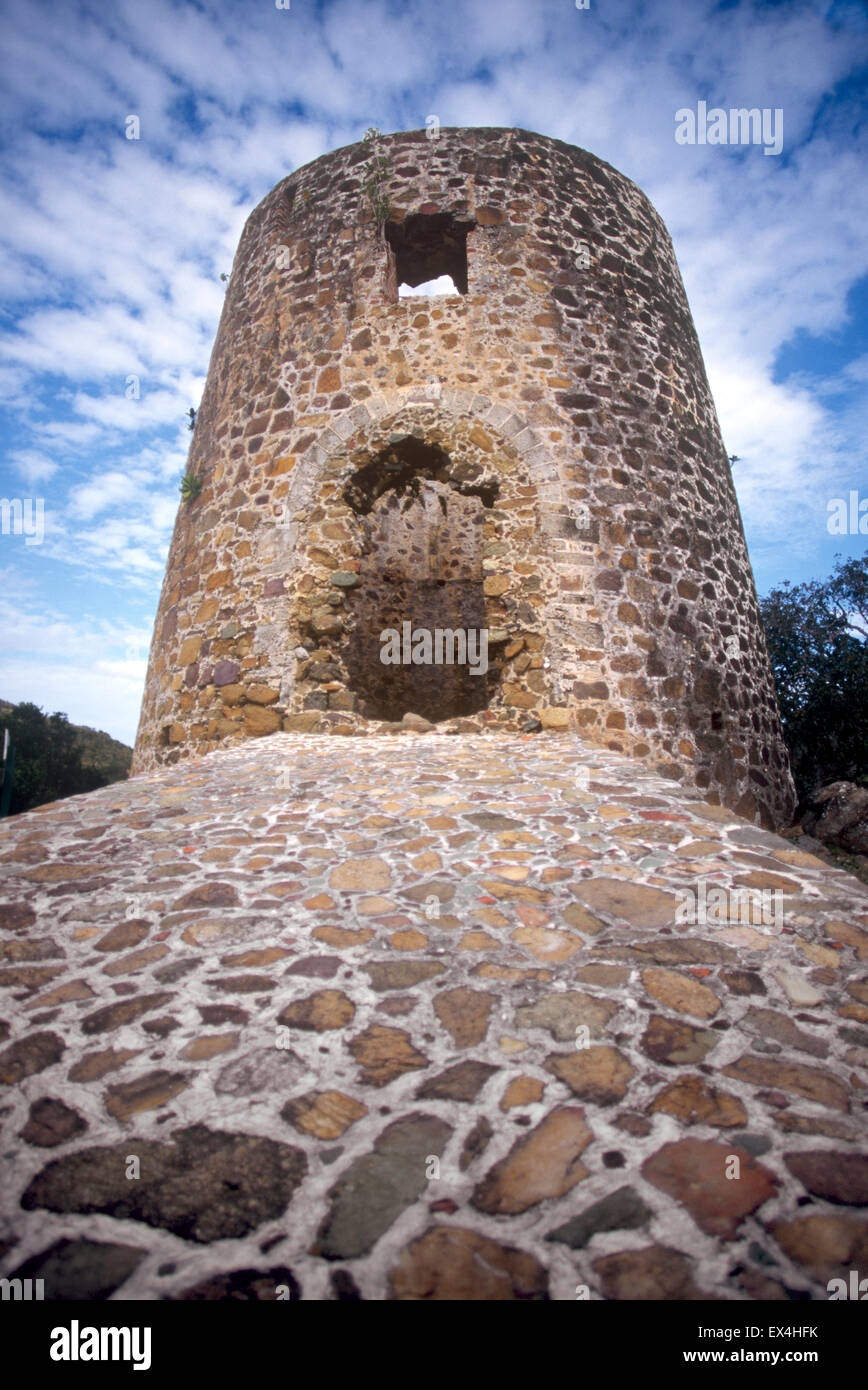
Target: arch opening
[{"x": 419, "y": 642}]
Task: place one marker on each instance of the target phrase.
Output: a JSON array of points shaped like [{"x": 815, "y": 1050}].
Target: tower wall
[{"x": 539, "y": 456}]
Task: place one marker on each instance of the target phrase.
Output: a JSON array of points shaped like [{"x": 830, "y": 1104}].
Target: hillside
[{"x": 98, "y": 749}]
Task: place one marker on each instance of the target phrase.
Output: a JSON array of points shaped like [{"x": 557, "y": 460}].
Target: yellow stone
[
  {"x": 324, "y": 1114},
  {"x": 481, "y": 439},
  {"x": 411, "y": 940},
  {"x": 190, "y": 649},
  {"x": 373, "y": 907},
  {"x": 552, "y": 718},
  {"x": 478, "y": 941},
  {"x": 518, "y": 892},
  {"x": 579, "y": 917},
  {"x": 544, "y": 1163},
  {"x": 524, "y": 1090},
  {"x": 491, "y": 917},
  {"x": 200, "y": 1049},
  {"x": 744, "y": 936},
  {"x": 267, "y": 956},
  {"x": 427, "y": 863},
  {"x": 370, "y": 874},
  {"x": 258, "y": 721},
  {"x": 799, "y": 858},
  {"x": 136, "y": 960},
  {"x": 262, "y": 694},
  {"x": 342, "y": 936},
  {"x": 545, "y": 944},
  {"x": 820, "y": 955},
  {"x": 495, "y": 585},
  {"x": 598, "y": 1074},
  {"x": 201, "y": 932},
  {"x": 218, "y": 580},
  {"x": 681, "y": 992},
  {"x": 850, "y": 935},
  {"x": 147, "y": 1093}
]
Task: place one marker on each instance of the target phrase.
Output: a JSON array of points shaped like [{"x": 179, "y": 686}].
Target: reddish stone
[
  {"x": 694, "y": 1173},
  {"x": 839, "y": 1177},
  {"x": 208, "y": 895}
]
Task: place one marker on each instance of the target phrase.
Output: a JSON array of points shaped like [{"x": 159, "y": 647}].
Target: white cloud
[{"x": 33, "y": 466}]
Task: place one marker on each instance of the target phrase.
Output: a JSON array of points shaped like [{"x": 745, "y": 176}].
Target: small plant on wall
[
  {"x": 376, "y": 170},
  {"x": 191, "y": 486}
]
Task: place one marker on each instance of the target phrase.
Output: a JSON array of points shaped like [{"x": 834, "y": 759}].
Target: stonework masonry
[
  {"x": 424, "y": 1018},
  {"x": 537, "y": 455}
]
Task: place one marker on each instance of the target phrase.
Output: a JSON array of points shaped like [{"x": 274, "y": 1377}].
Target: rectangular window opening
[{"x": 430, "y": 251}]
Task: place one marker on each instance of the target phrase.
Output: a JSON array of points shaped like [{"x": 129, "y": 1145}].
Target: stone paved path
[{"x": 420, "y": 1017}]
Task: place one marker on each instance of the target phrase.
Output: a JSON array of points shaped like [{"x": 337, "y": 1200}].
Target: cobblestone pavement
[{"x": 421, "y": 1017}]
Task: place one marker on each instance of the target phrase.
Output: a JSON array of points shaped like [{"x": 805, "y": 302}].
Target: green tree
[
  {"x": 816, "y": 634},
  {"x": 48, "y": 763}
]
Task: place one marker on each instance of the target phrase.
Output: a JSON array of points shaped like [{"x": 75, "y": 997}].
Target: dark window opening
[
  {"x": 427, "y": 246},
  {"x": 401, "y": 467},
  {"x": 420, "y": 570}
]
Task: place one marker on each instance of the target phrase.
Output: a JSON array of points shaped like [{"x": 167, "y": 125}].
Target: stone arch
[
  {"x": 506, "y": 425},
  {"x": 472, "y": 525}
]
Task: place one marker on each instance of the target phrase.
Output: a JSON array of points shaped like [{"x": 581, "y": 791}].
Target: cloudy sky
[{"x": 113, "y": 248}]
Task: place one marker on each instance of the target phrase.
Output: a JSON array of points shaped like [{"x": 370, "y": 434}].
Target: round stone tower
[{"x": 507, "y": 507}]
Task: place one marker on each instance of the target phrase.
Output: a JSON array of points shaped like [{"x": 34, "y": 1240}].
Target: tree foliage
[
  {"x": 817, "y": 636},
  {"x": 48, "y": 761}
]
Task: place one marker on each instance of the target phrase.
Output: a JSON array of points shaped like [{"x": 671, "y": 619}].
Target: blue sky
[{"x": 112, "y": 250}]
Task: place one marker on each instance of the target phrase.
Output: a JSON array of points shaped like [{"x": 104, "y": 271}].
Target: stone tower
[{"x": 536, "y": 457}]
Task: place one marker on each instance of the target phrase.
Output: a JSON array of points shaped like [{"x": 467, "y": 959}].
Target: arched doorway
[{"x": 420, "y": 642}]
